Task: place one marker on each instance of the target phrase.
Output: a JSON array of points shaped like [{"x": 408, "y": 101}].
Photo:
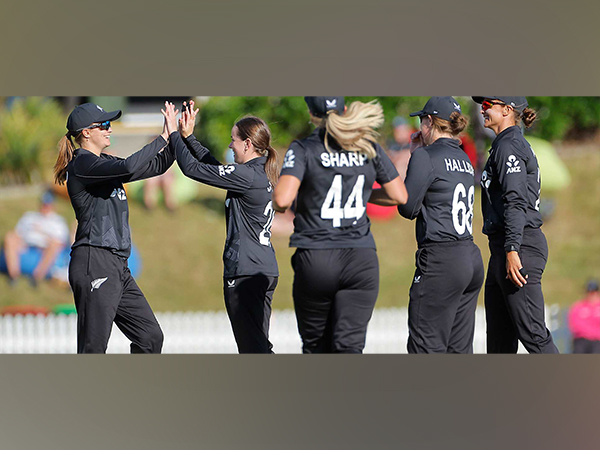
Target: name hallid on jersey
[
  {"x": 342, "y": 159},
  {"x": 458, "y": 165}
]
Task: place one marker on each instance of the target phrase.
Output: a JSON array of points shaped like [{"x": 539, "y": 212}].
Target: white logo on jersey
[
  {"x": 330, "y": 104},
  {"x": 98, "y": 282},
  {"x": 485, "y": 179},
  {"x": 231, "y": 283},
  {"x": 288, "y": 161},
  {"x": 226, "y": 170},
  {"x": 418, "y": 279},
  {"x": 270, "y": 187},
  {"x": 513, "y": 165},
  {"x": 119, "y": 193},
  {"x": 100, "y": 108},
  {"x": 457, "y": 107}
]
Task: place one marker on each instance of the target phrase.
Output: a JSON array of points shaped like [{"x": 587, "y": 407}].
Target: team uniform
[
  {"x": 449, "y": 268},
  {"x": 336, "y": 270},
  {"x": 510, "y": 203},
  {"x": 250, "y": 267},
  {"x": 102, "y": 284}
]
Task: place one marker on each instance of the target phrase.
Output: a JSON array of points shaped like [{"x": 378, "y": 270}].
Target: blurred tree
[{"x": 29, "y": 132}]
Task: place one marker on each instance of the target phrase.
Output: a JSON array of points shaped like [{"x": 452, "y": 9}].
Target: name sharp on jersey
[
  {"x": 342, "y": 159},
  {"x": 458, "y": 165}
]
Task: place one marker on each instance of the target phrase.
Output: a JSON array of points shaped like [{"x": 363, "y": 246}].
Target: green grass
[{"x": 181, "y": 252}]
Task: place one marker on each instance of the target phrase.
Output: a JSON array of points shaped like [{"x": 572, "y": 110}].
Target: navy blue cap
[
  {"x": 517, "y": 103},
  {"x": 88, "y": 113},
  {"x": 441, "y": 107},
  {"x": 320, "y": 106}
]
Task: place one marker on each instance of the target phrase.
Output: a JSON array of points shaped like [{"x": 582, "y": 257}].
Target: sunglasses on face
[
  {"x": 103, "y": 126},
  {"x": 487, "y": 104}
]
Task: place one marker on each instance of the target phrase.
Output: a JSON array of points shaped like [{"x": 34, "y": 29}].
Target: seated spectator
[
  {"x": 584, "y": 321},
  {"x": 43, "y": 231}
]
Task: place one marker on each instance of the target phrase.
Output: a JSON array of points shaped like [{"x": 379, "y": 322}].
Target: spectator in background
[
  {"x": 399, "y": 150},
  {"x": 166, "y": 182},
  {"x": 584, "y": 321},
  {"x": 43, "y": 232}
]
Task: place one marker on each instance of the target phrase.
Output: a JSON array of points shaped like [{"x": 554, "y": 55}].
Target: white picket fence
[{"x": 210, "y": 332}]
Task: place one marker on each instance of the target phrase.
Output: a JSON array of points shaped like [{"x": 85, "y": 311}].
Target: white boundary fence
[{"x": 210, "y": 332}]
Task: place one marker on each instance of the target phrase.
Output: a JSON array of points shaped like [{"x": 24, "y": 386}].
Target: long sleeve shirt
[
  {"x": 511, "y": 187},
  {"x": 95, "y": 186}
]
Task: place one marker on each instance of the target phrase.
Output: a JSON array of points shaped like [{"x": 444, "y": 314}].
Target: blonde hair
[{"x": 355, "y": 130}]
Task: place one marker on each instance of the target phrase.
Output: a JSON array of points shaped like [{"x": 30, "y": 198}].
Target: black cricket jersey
[
  {"x": 441, "y": 192},
  {"x": 95, "y": 186},
  {"x": 334, "y": 190},
  {"x": 511, "y": 187},
  {"x": 249, "y": 208}
]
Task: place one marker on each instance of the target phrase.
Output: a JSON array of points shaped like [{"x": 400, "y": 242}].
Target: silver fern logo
[{"x": 97, "y": 283}]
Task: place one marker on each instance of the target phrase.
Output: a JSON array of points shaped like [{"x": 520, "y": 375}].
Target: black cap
[
  {"x": 439, "y": 106},
  {"x": 88, "y": 113},
  {"x": 592, "y": 286},
  {"x": 518, "y": 103},
  {"x": 320, "y": 106}
]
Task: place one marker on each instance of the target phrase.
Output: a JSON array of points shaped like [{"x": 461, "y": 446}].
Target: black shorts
[{"x": 334, "y": 296}]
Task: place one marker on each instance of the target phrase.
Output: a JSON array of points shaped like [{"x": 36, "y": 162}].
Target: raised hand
[
  {"x": 188, "y": 119},
  {"x": 170, "y": 115},
  {"x": 416, "y": 141}
]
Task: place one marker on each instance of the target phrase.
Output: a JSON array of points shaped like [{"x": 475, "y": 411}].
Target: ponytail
[
  {"x": 355, "y": 130},
  {"x": 66, "y": 149},
  {"x": 272, "y": 165},
  {"x": 256, "y": 129},
  {"x": 454, "y": 126},
  {"x": 528, "y": 117}
]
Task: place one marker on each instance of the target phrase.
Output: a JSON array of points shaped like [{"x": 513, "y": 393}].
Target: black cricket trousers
[
  {"x": 517, "y": 314},
  {"x": 105, "y": 292},
  {"x": 334, "y": 296},
  {"x": 443, "y": 298},
  {"x": 248, "y": 303}
]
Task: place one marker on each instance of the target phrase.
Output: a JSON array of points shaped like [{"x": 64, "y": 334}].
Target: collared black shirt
[
  {"x": 95, "y": 186},
  {"x": 441, "y": 192},
  {"x": 249, "y": 209},
  {"x": 334, "y": 190},
  {"x": 510, "y": 183}
]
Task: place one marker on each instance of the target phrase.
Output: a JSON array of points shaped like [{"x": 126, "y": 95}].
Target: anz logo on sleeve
[
  {"x": 513, "y": 165},
  {"x": 288, "y": 162},
  {"x": 119, "y": 193},
  {"x": 226, "y": 170}
]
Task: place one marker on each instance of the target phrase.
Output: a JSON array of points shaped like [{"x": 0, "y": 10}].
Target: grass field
[{"x": 181, "y": 252}]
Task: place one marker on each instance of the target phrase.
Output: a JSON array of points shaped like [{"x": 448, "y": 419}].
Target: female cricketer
[
  {"x": 510, "y": 182},
  {"x": 103, "y": 287},
  {"x": 250, "y": 268},
  {"x": 336, "y": 270},
  {"x": 449, "y": 268}
]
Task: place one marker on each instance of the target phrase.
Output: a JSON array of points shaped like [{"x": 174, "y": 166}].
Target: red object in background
[
  {"x": 23, "y": 310},
  {"x": 376, "y": 212},
  {"x": 470, "y": 149}
]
